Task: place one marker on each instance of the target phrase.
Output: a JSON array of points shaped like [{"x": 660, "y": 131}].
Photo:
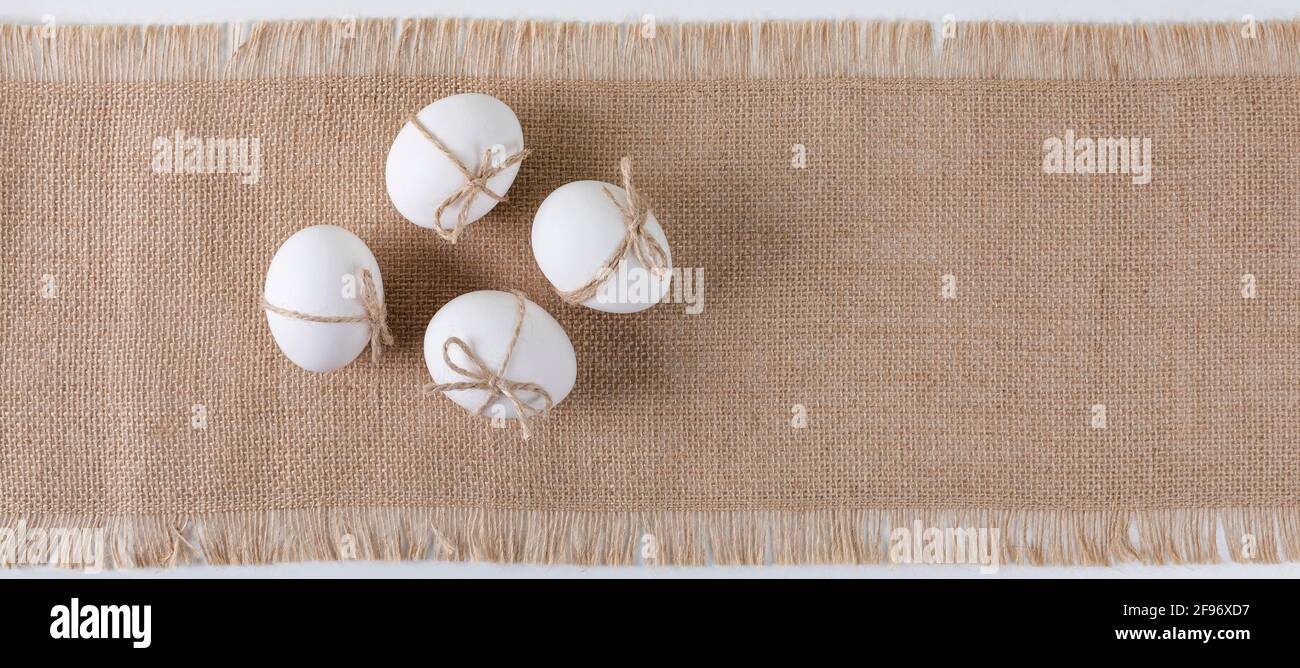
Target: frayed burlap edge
[
  {"x": 1051, "y": 538},
  {"x": 642, "y": 50}
]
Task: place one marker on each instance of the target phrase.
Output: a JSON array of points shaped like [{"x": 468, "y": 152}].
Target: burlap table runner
[{"x": 905, "y": 321}]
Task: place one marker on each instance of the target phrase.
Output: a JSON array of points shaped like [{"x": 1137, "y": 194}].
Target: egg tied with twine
[
  {"x": 636, "y": 240},
  {"x": 475, "y": 182},
  {"x": 483, "y": 377},
  {"x": 373, "y": 312}
]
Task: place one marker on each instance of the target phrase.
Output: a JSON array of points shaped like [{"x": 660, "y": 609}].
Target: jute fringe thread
[
  {"x": 636, "y": 239},
  {"x": 1043, "y": 538},
  {"x": 374, "y": 313},
  {"x": 475, "y": 182},
  {"x": 692, "y": 51},
  {"x": 496, "y": 384}
]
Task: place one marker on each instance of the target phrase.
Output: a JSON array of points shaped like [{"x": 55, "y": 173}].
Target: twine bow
[
  {"x": 475, "y": 182},
  {"x": 636, "y": 239},
  {"x": 482, "y": 377},
  {"x": 373, "y": 312}
]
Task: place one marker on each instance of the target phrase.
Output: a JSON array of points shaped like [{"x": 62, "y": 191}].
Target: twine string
[
  {"x": 636, "y": 239},
  {"x": 475, "y": 182},
  {"x": 482, "y": 377},
  {"x": 373, "y": 312}
]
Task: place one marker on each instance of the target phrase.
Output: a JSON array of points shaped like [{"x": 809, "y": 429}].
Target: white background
[{"x": 174, "y": 11}]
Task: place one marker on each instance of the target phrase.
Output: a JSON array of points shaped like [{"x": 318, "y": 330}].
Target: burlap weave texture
[{"x": 822, "y": 293}]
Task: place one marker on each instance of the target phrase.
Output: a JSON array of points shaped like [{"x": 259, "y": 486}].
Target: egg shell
[
  {"x": 420, "y": 177},
  {"x": 308, "y": 275},
  {"x": 485, "y": 320},
  {"x": 576, "y": 229}
]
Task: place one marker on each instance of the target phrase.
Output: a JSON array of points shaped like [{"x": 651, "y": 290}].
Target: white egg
[
  {"x": 420, "y": 177},
  {"x": 576, "y": 229},
  {"x": 485, "y": 321},
  {"x": 317, "y": 272}
]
